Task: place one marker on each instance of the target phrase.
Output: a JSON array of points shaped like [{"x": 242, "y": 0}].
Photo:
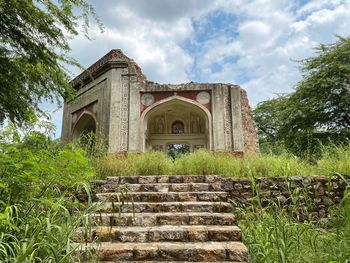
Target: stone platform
[{"x": 164, "y": 219}]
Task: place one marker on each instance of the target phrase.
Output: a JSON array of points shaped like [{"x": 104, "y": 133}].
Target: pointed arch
[
  {"x": 173, "y": 100},
  {"x": 85, "y": 124}
]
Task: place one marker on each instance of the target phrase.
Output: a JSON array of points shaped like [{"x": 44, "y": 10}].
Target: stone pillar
[
  {"x": 237, "y": 129},
  {"x": 66, "y": 123},
  {"x": 218, "y": 119},
  {"x": 119, "y": 111},
  {"x": 135, "y": 144}
]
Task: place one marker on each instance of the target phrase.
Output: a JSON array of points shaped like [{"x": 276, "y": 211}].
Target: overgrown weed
[
  {"x": 39, "y": 209},
  {"x": 333, "y": 160},
  {"x": 277, "y": 233}
]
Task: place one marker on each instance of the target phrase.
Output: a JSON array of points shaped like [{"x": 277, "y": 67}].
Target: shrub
[{"x": 39, "y": 212}]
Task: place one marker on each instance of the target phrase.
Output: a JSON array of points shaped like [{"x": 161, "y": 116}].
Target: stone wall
[
  {"x": 116, "y": 84},
  {"x": 306, "y": 196},
  {"x": 317, "y": 193},
  {"x": 251, "y": 143}
]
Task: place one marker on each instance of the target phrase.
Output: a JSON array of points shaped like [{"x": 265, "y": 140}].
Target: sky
[{"x": 253, "y": 43}]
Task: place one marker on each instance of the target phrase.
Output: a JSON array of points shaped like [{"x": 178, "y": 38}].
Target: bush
[{"x": 39, "y": 212}]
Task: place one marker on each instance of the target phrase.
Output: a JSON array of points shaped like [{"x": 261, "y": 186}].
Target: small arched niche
[
  {"x": 177, "y": 127},
  {"x": 86, "y": 124}
]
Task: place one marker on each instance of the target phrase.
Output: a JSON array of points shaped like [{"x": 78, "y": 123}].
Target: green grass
[
  {"x": 334, "y": 160},
  {"x": 273, "y": 234},
  {"x": 39, "y": 208}
]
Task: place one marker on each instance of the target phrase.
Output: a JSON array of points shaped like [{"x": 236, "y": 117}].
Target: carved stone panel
[
  {"x": 124, "y": 116},
  {"x": 203, "y": 97},
  {"x": 227, "y": 119}
]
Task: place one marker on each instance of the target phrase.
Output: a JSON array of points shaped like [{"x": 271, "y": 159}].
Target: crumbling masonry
[{"x": 115, "y": 100}]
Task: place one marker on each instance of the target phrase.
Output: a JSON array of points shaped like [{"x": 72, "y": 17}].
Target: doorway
[{"x": 176, "y": 149}]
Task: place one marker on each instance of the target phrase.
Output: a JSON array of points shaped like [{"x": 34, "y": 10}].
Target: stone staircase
[{"x": 166, "y": 219}]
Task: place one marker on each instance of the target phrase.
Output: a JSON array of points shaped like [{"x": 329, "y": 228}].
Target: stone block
[
  {"x": 194, "y": 179},
  {"x": 199, "y": 187},
  {"x": 163, "y": 179},
  {"x": 175, "y": 179},
  {"x": 147, "y": 180}
]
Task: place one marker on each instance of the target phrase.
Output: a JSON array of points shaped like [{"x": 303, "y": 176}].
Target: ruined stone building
[{"x": 115, "y": 100}]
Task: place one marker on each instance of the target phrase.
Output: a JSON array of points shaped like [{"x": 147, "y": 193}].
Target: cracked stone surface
[{"x": 164, "y": 219}]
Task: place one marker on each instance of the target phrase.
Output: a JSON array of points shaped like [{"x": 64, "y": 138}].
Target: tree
[
  {"x": 269, "y": 118},
  {"x": 33, "y": 49},
  {"x": 319, "y": 108}
]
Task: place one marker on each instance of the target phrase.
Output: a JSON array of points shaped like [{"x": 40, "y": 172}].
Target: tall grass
[
  {"x": 334, "y": 160},
  {"x": 274, "y": 234},
  {"x": 45, "y": 237},
  {"x": 39, "y": 208},
  {"x": 151, "y": 163}
]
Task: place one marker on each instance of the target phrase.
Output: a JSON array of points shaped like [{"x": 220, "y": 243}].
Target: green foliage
[
  {"x": 335, "y": 159},
  {"x": 39, "y": 212},
  {"x": 150, "y": 163},
  {"x": 33, "y": 47},
  {"x": 273, "y": 234},
  {"x": 318, "y": 111},
  {"x": 94, "y": 145},
  {"x": 175, "y": 150}
]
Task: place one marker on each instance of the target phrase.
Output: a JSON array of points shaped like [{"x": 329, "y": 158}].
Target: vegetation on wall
[{"x": 272, "y": 234}]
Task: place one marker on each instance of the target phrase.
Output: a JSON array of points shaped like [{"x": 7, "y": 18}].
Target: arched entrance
[
  {"x": 86, "y": 124},
  {"x": 176, "y": 121}
]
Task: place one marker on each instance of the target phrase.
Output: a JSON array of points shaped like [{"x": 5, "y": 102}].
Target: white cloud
[
  {"x": 271, "y": 36},
  {"x": 154, "y": 43},
  {"x": 315, "y": 5},
  {"x": 256, "y": 50}
]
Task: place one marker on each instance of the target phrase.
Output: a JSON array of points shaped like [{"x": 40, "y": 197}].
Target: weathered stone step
[
  {"x": 163, "y": 233},
  {"x": 170, "y": 261},
  {"x": 155, "y": 187},
  {"x": 156, "y": 219},
  {"x": 137, "y": 207},
  {"x": 164, "y": 197},
  {"x": 172, "y": 251},
  {"x": 149, "y": 179}
]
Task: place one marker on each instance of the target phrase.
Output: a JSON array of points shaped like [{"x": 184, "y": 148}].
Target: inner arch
[
  {"x": 86, "y": 124},
  {"x": 176, "y": 121}
]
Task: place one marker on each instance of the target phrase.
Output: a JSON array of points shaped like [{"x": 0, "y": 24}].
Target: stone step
[
  {"x": 162, "y": 233},
  {"x": 138, "y": 207},
  {"x": 171, "y": 251},
  {"x": 157, "y": 219},
  {"x": 155, "y": 187},
  {"x": 170, "y": 261},
  {"x": 164, "y": 197},
  {"x": 149, "y": 179}
]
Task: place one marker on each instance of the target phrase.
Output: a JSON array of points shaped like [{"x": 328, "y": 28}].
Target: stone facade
[{"x": 115, "y": 100}]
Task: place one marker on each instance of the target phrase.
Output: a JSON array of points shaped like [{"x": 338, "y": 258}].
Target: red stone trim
[{"x": 158, "y": 96}]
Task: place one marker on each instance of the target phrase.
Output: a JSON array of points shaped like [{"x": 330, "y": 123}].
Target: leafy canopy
[
  {"x": 33, "y": 48},
  {"x": 319, "y": 108}
]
